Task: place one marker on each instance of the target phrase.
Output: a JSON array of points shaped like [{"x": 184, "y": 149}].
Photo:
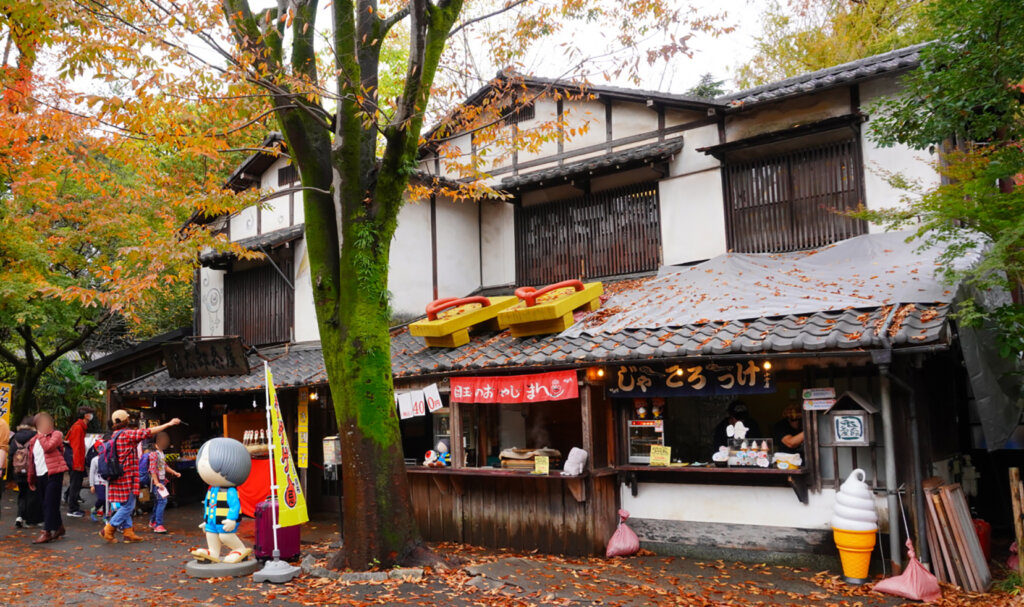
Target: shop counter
[
  {"x": 448, "y": 479},
  {"x": 631, "y": 475}
]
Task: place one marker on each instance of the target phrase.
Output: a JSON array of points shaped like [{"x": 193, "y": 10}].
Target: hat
[{"x": 119, "y": 416}]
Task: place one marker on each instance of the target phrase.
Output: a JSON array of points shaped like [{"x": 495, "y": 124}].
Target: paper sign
[
  {"x": 419, "y": 403},
  {"x": 819, "y": 393},
  {"x": 303, "y": 396},
  {"x": 661, "y": 455},
  {"x": 405, "y": 405},
  {"x": 433, "y": 397},
  {"x": 302, "y": 428},
  {"x": 541, "y": 464},
  {"x": 819, "y": 404}
]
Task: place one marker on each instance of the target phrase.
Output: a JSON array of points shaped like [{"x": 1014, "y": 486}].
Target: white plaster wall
[
  {"x": 458, "y": 249},
  {"x": 788, "y": 113},
  {"x": 211, "y": 296},
  {"x": 742, "y": 505},
  {"x": 498, "y": 243},
  {"x": 632, "y": 119},
  {"x": 268, "y": 181},
  {"x": 880, "y": 164},
  {"x": 305, "y": 327},
  {"x": 689, "y": 159},
  {"x": 692, "y": 217},
  {"x": 275, "y": 214},
  {"x": 587, "y": 117},
  {"x": 243, "y": 223},
  {"x": 545, "y": 111},
  {"x": 411, "y": 275}
]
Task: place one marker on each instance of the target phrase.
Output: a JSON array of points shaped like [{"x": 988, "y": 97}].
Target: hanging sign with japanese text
[
  {"x": 724, "y": 379},
  {"x": 536, "y": 388},
  {"x": 405, "y": 405},
  {"x": 302, "y": 429},
  {"x": 6, "y": 396}
]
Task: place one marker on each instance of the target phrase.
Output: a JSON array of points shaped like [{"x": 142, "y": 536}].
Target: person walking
[
  {"x": 46, "y": 469},
  {"x": 97, "y": 485},
  {"x": 30, "y": 509},
  {"x": 76, "y": 437},
  {"x": 158, "y": 471},
  {"x": 123, "y": 490}
]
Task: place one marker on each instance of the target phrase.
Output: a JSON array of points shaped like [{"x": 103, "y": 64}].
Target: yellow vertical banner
[
  {"x": 291, "y": 503},
  {"x": 6, "y": 397},
  {"x": 302, "y": 429}
]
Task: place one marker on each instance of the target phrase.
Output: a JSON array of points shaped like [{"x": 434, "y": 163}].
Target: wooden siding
[
  {"x": 793, "y": 201},
  {"x": 259, "y": 305},
  {"x": 612, "y": 232},
  {"x": 518, "y": 512}
]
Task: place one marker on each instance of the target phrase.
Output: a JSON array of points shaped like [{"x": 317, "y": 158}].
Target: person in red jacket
[
  {"x": 46, "y": 468},
  {"x": 76, "y": 436}
]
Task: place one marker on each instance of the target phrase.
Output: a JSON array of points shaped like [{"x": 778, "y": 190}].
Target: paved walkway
[{"x": 83, "y": 570}]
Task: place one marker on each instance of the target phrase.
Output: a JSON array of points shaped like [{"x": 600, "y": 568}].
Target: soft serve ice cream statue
[{"x": 854, "y": 524}]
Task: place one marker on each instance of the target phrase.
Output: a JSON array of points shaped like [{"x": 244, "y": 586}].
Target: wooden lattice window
[
  {"x": 794, "y": 200},
  {"x": 287, "y": 175},
  {"x": 259, "y": 304},
  {"x": 609, "y": 233}
]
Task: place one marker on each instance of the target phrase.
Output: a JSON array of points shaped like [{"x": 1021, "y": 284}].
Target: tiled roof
[
  {"x": 842, "y": 330},
  {"x": 642, "y": 153},
  {"x": 256, "y": 243},
  {"x": 293, "y": 366},
  {"x": 899, "y": 60}
]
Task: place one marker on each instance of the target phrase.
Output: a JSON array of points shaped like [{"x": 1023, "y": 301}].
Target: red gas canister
[{"x": 984, "y": 531}]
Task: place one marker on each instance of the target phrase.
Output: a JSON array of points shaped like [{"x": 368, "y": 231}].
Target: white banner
[
  {"x": 405, "y": 405},
  {"x": 419, "y": 403},
  {"x": 433, "y": 398}
]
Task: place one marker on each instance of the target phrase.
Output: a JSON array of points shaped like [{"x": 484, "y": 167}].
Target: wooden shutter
[{"x": 259, "y": 305}]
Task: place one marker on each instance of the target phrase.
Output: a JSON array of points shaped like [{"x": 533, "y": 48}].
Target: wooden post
[
  {"x": 587, "y": 414},
  {"x": 1018, "y": 525},
  {"x": 455, "y": 435}
]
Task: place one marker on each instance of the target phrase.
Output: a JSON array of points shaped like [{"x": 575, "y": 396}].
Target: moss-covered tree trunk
[{"x": 352, "y": 196}]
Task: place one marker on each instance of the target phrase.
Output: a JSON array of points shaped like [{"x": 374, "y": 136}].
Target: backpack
[
  {"x": 110, "y": 468},
  {"x": 69, "y": 455},
  {"x": 144, "y": 467},
  {"x": 19, "y": 461},
  {"x": 91, "y": 454}
]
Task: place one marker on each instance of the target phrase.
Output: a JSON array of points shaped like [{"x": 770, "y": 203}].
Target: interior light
[
  {"x": 679, "y": 371},
  {"x": 600, "y": 372},
  {"x": 254, "y": 403},
  {"x": 154, "y": 404},
  {"x": 315, "y": 395},
  {"x": 767, "y": 364},
  {"x": 200, "y": 404}
]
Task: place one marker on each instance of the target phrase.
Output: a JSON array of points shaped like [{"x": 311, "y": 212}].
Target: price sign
[
  {"x": 661, "y": 455},
  {"x": 541, "y": 464},
  {"x": 819, "y": 404}
]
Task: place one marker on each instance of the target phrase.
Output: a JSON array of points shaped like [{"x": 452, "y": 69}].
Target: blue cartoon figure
[{"x": 223, "y": 464}]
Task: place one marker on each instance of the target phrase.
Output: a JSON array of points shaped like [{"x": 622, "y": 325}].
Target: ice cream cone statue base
[{"x": 854, "y": 525}]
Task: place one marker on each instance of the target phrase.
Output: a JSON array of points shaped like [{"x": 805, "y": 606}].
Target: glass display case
[{"x": 643, "y": 433}]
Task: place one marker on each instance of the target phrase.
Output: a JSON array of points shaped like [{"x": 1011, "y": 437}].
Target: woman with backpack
[
  {"x": 30, "y": 510},
  {"x": 46, "y": 469}
]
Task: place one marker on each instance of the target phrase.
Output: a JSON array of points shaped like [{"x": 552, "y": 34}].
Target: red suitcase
[{"x": 287, "y": 537}]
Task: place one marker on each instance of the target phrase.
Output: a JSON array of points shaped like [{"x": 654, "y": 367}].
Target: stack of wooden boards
[{"x": 957, "y": 557}]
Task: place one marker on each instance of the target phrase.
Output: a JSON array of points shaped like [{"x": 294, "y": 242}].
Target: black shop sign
[{"x": 716, "y": 379}]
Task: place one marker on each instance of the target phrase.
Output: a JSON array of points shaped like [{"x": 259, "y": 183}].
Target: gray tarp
[{"x": 864, "y": 272}]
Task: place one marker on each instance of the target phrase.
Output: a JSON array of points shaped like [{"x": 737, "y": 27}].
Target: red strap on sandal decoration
[
  {"x": 530, "y": 295},
  {"x": 536, "y": 314},
  {"x": 441, "y": 329}
]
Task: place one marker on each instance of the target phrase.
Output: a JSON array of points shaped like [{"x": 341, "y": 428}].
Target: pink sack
[
  {"x": 914, "y": 583},
  {"x": 624, "y": 542}
]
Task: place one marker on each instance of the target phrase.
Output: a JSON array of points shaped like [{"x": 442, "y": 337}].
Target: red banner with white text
[{"x": 536, "y": 388}]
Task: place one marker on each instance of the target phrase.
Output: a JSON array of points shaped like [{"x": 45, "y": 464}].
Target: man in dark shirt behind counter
[{"x": 788, "y": 432}]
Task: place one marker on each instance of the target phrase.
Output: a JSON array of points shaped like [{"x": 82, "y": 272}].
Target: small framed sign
[
  {"x": 851, "y": 428},
  {"x": 818, "y": 393},
  {"x": 541, "y": 464}
]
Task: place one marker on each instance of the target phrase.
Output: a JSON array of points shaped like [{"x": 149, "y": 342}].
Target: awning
[
  {"x": 294, "y": 366},
  {"x": 260, "y": 242},
  {"x": 619, "y": 160}
]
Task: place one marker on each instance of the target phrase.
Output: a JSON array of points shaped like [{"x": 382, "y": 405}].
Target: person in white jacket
[{"x": 98, "y": 487}]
